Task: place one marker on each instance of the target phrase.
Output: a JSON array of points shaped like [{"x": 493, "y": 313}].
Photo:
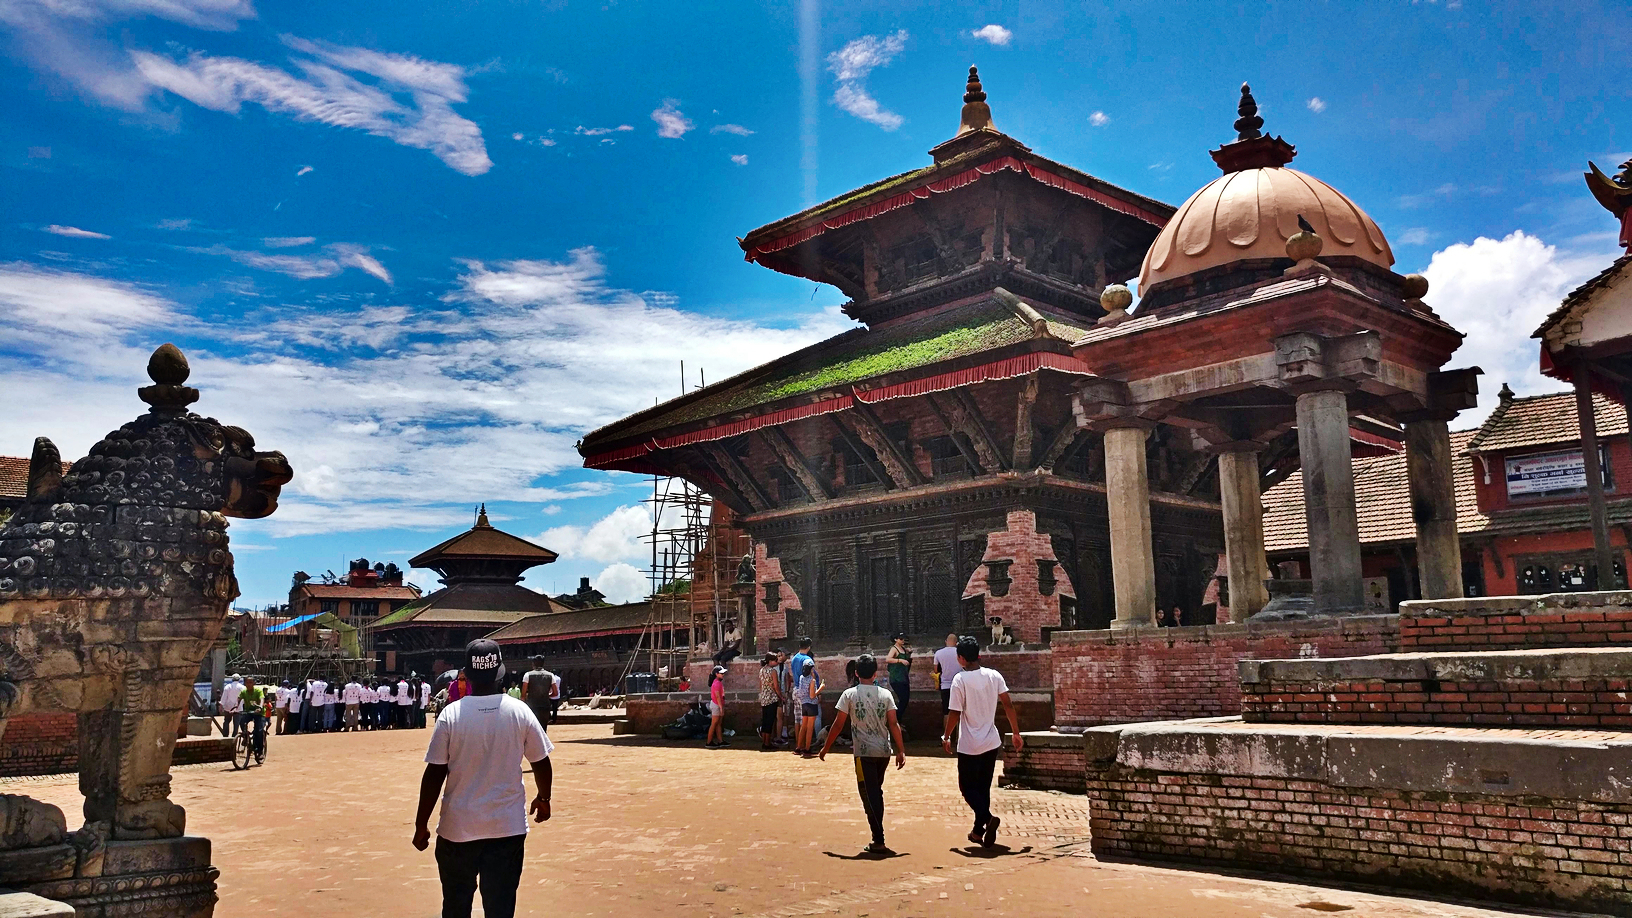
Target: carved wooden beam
[
  {"x": 739, "y": 476},
  {"x": 696, "y": 468},
  {"x": 900, "y": 467},
  {"x": 816, "y": 489},
  {"x": 1024, "y": 432},
  {"x": 1065, "y": 442},
  {"x": 858, "y": 446},
  {"x": 959, "y": 413}
]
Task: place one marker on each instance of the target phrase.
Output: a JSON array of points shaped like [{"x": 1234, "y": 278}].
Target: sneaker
[
  {"x": 878, "y": 848},
  {"x": 990, "y": 838}
]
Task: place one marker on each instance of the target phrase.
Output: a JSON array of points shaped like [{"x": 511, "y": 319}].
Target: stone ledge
[
  {"x": 1485, "y": 666},
  {"x": 1596, "y": 767},
  {"x": 1048, "y": 739},
  {"x": 28, "y": 905},
  {"x": 1544, "y": 604}
]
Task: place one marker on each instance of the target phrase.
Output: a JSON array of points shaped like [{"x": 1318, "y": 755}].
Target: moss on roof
[{"x": 850, "y": 358}]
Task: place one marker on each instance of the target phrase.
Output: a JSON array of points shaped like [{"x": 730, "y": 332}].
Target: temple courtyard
[{"x": 646, "y": 827}]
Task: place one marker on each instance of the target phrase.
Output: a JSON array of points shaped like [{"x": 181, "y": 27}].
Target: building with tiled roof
[
  {"x": 14, "y": 483},
  {"x": 481, "y": 571},
  {"x": 1522, "y": 512},
  {"x": 594, "y": 647},
  {"x": 366, "y": 595}
]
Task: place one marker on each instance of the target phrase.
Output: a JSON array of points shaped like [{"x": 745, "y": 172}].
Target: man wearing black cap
[{"x": 476, "y": 749}]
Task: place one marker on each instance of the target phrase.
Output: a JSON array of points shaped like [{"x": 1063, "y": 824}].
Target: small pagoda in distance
[{"x": 481, "y": 571}]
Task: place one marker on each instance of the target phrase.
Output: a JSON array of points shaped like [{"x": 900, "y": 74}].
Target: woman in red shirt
[{"x": 716, "y": 707}]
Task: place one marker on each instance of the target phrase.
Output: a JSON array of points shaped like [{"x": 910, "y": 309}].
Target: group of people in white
[{"x": 318, "y": 706}]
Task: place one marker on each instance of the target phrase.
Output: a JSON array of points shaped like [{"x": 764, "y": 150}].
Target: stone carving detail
[{"x": 114, "y": 582}]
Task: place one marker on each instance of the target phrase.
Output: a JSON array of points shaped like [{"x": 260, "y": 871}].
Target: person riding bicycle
[{"x": 253, "y": 701}]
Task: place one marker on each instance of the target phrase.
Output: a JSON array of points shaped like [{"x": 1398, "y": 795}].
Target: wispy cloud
[
  {"x": 331, "y": 261},
  {"x": 302, "y": 171},
  {"x": 330, "y": 91},
  {"x": 175, "y": 223},
  {"x": 1412, "y": 201},
  {"x": 1316, "y": 105},
  {"x": 75, "y": 232},
  {"x": 1099, "y": 119},
  {"x": 736, "y": 129},
  {"x": 1416, "y": 235},
  {"x": 497, "y": 380},
  {"x": 740, "y": 159},
  {"x": 602, "y": 131},
  {"x": 993, "y": 34},
  {"x": 850, "y": 66},
  {"x": 285, "y": 242},
  {"x": 671, "y": 123}
]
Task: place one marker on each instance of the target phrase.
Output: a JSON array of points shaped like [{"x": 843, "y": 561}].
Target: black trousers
[
  {"x": 975, "y": 783},
  {"x": 870, "y": 784},
  {"x": 493, "y": 864}
]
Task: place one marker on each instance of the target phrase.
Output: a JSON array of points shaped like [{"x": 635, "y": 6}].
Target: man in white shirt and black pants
[
  {"x": 476, "y": 750},
  {"x": 976, "y": 692}
]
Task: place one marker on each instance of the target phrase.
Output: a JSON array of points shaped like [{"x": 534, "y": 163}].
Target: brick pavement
[{"x": 644, "y": 827}]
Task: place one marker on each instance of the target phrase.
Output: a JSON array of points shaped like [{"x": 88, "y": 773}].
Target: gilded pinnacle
[{"x": 977, "y": 115}]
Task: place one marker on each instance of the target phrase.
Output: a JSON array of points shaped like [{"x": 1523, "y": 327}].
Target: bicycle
[{"x": 246, "y": 748}]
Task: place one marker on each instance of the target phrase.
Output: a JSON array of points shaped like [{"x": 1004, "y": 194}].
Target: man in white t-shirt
[
  {"x": 946, "y": 667},
  {"x": 424, "y": 704},
  {"x": 297, "y": 694},
  {"x": 476, "y": 751},
  {"x": 230, "y": 707},
  {"x": 405, "y": 701},
  {"x": 976, "y": 692},
  {"x": 352, "y": 696},
  {"x": 316, "y": 698},
  {"x": 370, "y": 697}
]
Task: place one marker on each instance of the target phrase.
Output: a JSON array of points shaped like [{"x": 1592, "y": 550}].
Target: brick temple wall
[
  {"x": 1027, "y": 604},
  {"x": 39, "y": 744},
  {"x": 1567, "y": 853},
  {"x": 1107, "y": 677},
  {"x": 1562, "y": 703}
]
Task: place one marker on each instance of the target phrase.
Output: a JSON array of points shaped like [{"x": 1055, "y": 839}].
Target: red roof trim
[
  {"x": 952, "y": 182},
  {"x": 1001, "y": 369},
  {"x": 720, "y": 431}
]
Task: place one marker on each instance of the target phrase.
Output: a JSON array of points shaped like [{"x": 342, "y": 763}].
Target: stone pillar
[
  {"x": 1243, "y": 506},
  {"x": 1328, "y": 500},
  {"x": 1127, "y": 497},
  {"x": 1431, "y": 472}
]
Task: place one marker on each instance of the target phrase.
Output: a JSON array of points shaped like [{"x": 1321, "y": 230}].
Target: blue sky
[{"x": 422, "y": 248}]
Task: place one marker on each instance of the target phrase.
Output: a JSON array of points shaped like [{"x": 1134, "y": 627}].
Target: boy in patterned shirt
[{"x": 871, "y": 713}]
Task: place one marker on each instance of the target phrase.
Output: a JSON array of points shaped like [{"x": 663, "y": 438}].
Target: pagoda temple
[
  {"x": 481, "y": 571},
  {"x": 873, "y": 469}
]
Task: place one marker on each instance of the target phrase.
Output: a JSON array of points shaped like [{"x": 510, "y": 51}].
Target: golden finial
[{"x": 977, "y": 115}]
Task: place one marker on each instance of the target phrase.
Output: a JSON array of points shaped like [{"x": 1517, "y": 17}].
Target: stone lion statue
[{"x": 115, "y": 578}]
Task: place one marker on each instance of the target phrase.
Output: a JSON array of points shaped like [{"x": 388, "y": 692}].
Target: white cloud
[
  {"x": 736, "y": 129},
  {"x": 175, "y": 223},
  {"x": 993, "y": 34},
  {"x": 1099, "y": 119},
  {"x": 334, "y": 259},
  {"x": 517, "y": 136},
  {"x": 330, "y": 92},
  {"x": 1497, "y": 291},
  {"x": 1416, "y": 235},
  {"x": 740, "y": 159},
  {"x": 602, "y": 131},
  {"x": 302, "y": 171},
  {"x": 852, "y": 63},
  {"x": 621, "y": 583},
  {"x": 614, "y": 537},
  {"x": 75, "y": 232},
  {"x": 1317, "y": 105},
  {"x": 671, "y": 124},
  {"x": 497, "y": 381},
  {"x": 1413, "y": 201}
]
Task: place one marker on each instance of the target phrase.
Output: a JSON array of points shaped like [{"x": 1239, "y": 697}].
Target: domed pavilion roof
[{"x": 1251, "y": 210}]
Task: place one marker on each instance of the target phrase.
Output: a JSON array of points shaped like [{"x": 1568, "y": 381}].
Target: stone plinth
[
  {"x": 1049, "y": 761},
  {"x": 170, "y": 877},
  {"x": 1585, "y": 688},
  {"x": 1512, "y": 815}
]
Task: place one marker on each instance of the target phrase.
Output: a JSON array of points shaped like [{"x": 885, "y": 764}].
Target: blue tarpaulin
[{"x": 292, "y": 622}]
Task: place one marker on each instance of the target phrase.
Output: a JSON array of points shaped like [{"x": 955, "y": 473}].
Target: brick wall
[
  {"x": 39, "y": 744},
  {"x": 1027, "y": 605},
  {"x": 1557, "y": 703},
  {"x": 1519, "y": 628},
  {"x": 1561, "y": 853},
  {"x": 1049, "y": 761},
  {"x": 1107, "y": 677}
]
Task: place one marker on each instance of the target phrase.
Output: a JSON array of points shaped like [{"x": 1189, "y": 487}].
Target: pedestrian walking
[
  {"x": 537, "y": 688},
  {"x": 976, "y": 692},
  {"x": 770, "y": 701},
  {"x": 874, "y": 722},
  {"x": 716, "y": 708},
  {"x": 472, "y": 763},
  {"x": 810, "y": 707}
]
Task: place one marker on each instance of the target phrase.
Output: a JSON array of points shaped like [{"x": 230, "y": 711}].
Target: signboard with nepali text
[{"x": 1549, "y": 473}]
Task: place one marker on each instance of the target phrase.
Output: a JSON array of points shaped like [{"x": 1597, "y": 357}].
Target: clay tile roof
[
  {"x": 596, "y": 620},
  {"x": 1382, "y": 498},
  {"x": 1541, "y": 420},
  {"x": 472, "y": 604},
  {"x": 14, "y": 476},
  {"x": 483, "y": 541},
  {"x": 341, "y": 591}
]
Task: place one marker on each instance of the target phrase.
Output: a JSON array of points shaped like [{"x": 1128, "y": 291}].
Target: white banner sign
[{"x": 1546, "y": 473}]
